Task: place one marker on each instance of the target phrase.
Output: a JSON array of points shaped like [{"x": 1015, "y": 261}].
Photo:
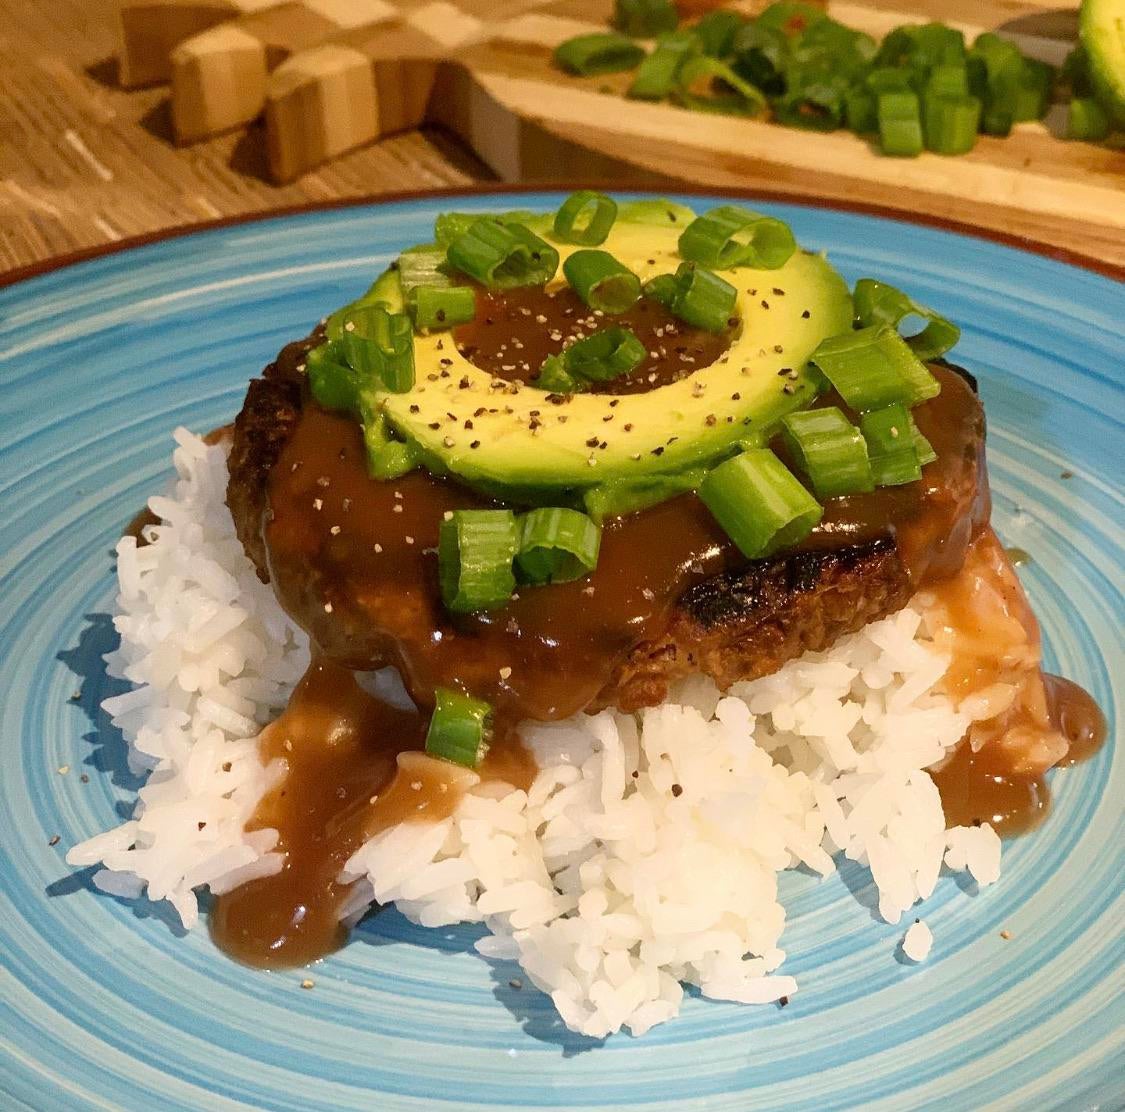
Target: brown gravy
[
  {"x": 352, "y": 770},
  {"x": 515, "y": 330}
]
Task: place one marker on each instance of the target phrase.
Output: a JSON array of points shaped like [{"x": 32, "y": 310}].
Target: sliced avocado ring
[{"x": 525, "y": 444}]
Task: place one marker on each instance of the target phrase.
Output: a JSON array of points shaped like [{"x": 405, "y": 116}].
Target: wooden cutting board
[{"x": 331, "y": 80}]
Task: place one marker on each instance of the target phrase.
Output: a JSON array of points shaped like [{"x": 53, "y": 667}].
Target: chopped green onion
[
  {"x": 1076, "y": 73},
  {"x": 760, "y": 54},
  {"x": 459, "y": 729},
  {"x": 792, "y": 19},
  {"x": 615, "y": 499},
  {"x": 585, "y": 218},
  {"x": 645, "y": 19},
  {"x": 708, "y": 85},
  {"x": 503, "y": 256},
  {"x": 601, "y": 281},
  {"x": 437, "y": 308},
  {"x": 900, "y": 124},
  {"x": 556, "y": 545},
  {"x": 1034, "y": 83},
  {"x": 923, "y": 449},
  {"x": 886, "y": 80},
  {"x": 731, "y": 236},
  {"x": 588, "y": 55},
  {"x": 663, "y": 288},
  {"x": 703, "y": 299},
  {"x": 759, "y": 503},
  {"x": 423, "y": 265},
  {"x": 814, "y": 100},
  {"x": 951, "y": 123},
  {"x": 859, "y": 110},
  {"x": 475, "y": 553},
  {"x": 716, "y": 31},
  {"x": 872, "y": 367},
  {"x": 555, "y": 378},
  {"x": 1086, "y": 119},
  {"x": 448, "y": 226},
  {"x": 605, "y": 355},
  {"x": 669, "y": 214},
  {"x": 890, "y": 446},
  {"x": 656, "y": 76},
  {"x": 388, "y": 456},
  {"x": 948, "y": 81},
  {"x": 879, "y": 303},
  {"x": 829, "y": 449},
  {"x": 379, "y": 347},
  {"x": 332, "y": 381}
]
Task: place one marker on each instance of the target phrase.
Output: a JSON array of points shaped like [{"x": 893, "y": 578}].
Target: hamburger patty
[{"x": 862, "y": 563}]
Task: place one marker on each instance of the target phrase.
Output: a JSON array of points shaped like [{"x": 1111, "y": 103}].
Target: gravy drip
[
  {"x": 349, "y": 767},
  {"x": 1023, "y": 721},
  {"x": 515, "y": 330}
]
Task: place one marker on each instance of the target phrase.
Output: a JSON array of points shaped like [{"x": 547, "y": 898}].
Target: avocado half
[
  {"x": 503, "y": 437},
  {"x": 1102, "y": 31}
]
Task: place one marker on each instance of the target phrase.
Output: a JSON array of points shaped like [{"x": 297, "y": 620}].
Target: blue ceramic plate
[{"x": 106, "y": 1006}]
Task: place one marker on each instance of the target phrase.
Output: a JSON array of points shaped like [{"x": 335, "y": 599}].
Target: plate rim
[{"x": 802, "y": 199}]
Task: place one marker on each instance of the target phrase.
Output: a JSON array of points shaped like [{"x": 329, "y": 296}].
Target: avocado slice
[
  {"x": 527, "y": 444},
  {"x": 1101, "y": 28}
]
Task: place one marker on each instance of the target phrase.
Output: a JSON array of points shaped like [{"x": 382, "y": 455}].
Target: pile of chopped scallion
[{"x": 921, "y": 88}]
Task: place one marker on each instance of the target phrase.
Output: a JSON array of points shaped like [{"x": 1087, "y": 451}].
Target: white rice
[{"x": 645, "y": 854}]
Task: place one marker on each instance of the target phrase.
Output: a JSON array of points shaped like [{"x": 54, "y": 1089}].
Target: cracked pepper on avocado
[{"x": 607, "y": 563}]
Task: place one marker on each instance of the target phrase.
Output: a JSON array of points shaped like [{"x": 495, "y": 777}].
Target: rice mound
[{"x": 645, "y": 855}]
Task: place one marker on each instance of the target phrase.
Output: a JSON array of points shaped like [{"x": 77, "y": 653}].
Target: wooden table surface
[{"x": 84, "y": 163}]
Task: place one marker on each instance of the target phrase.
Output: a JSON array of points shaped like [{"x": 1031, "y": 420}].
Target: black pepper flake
[
  {"x": 783, "y": 372},
  {"x": 806, "y": 314},
  {"x": 556, "y": 399},
  {"x": 778, "y": 349},
  {"x": 778, "y": 292},
  {"x": 615, "y": 403},
  {"x": 431, "y": 378},
  {"x": 475, "y": 444},
  {"x": 765, "y": 303},
  {"x": 415, "y": 409},
  {"x": 534, "y": 424},
  {"x": 464, "y": 383},
  {"x": 468, "y": 423},
  {"x": 659, "y": 451},
  {"x": 54, "y": 840},
  {"x": 628, "y": 427},
  {"x": 480, "y": 412},
  {"x": 711, "y": 420},
  {"x": 435, "y": 425},
  {"x": 677, "y": 790},
  {"x": 608, "y": 417},
  {"x": 736, "y": 397},
  {"x": 592, "y": 442},
  {"x": 783, "y": 1000}
]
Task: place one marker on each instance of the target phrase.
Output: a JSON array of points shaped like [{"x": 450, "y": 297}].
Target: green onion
[
  {"x": 708, "y": 85},
  {"x": 731, "y": 236},
  {"x": 555, "y": 378},
  {"x": 859, "y": 110},
  {"x": 656, "y": 76},
  {"x": 886, "y": 80},
  {"x": 423, "y": 265},
  {"x": 923, "y": 449},
  {"x": 873, "y": 367},
  {"x": 814, "y": 100},
  {"x": 332, "y": 381},
  {"x": 948, "y": 81},
  {"x": 1033, "y": 90},
  {"x": 388, "y": 457},
  {"x": 475, "y": 553},
  {"x": 900, "y": 124},
  {"x": 503, "y": 256},
  {"x": 617, "y": 498},
  {"x": 448, "y": 226},
  {"x": 459, "y": 729},
  {"x": 879, "y": 303},
  {"x": 703, "y": 299},
  {"x": 759, "y": 503},
  {"x": 830, "y": 450},
  {"x": 379, "y": 347},
  {"x": 759, "y": 56},
  {"x": 951, "y": 123},
  {"x": 556, "y": 546},
  {"x": 1086, "y": 119},
  {"x": 645, "y": 19},
  {"x": 668, "y": 214},
  {"x": 793, "y": 19},
  {"x": 436, "y": 308},
  {"x": 605, "y": 355},
  {"x": 588, "y": 55},
  {"x": 585, "y": 218},
  {"x": 663, "y": 288},
  {"x": 716, "y": 31},
  {"x": 890, "y": 446},
  {"x": 601, "y": 281}
]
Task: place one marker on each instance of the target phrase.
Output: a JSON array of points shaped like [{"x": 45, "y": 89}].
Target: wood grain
[{"x": 83, "y": 162}]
